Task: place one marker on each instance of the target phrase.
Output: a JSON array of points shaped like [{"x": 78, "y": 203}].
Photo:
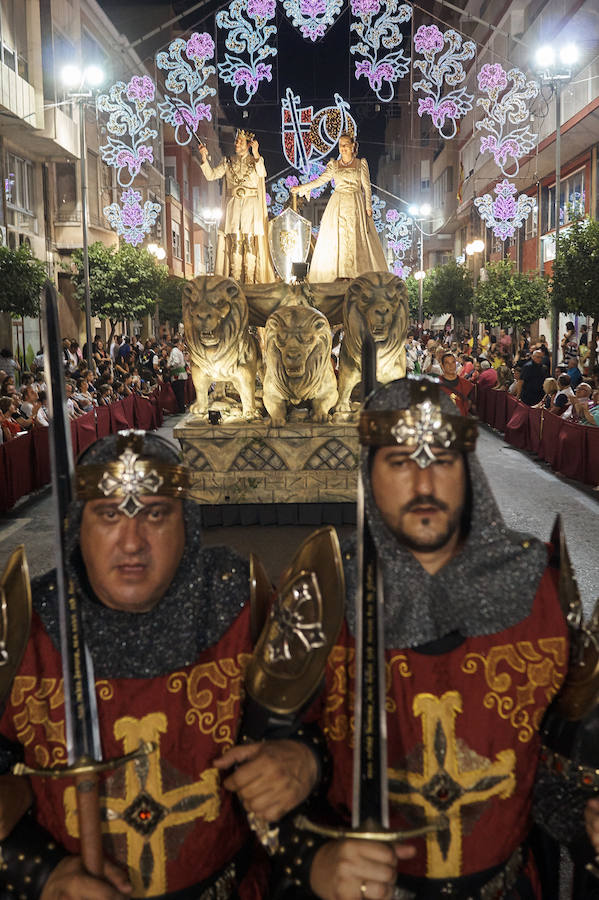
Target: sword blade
[
  {"x": 81, "y": 713},
  {"x": 370, "y": 809}
]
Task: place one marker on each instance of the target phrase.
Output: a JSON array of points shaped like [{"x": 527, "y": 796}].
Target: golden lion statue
[
  {"x": 377, "y": 302},
  {"x": 215, "y": 316},
  {"x": 298, "y": 363}
]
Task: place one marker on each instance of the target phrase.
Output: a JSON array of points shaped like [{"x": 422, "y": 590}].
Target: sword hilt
[
  {"x": 85, "y": 765},
  {"x": 370, "y": 832}
]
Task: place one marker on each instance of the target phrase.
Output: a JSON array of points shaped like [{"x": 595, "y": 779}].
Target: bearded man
[
  {"x": 242, "y": 249},
  {"x": 169, "y": 631},
  {"x": 463, "y": 706}
]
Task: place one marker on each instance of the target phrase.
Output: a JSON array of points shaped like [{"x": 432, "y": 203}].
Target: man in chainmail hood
[
  {"x": 476, "y": 648},
  {"x": 168, "y": 626}
]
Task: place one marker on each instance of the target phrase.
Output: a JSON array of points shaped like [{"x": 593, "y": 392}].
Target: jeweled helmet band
[
  {"x": 131, "y": 476},
  {"x": 422, "y": 425}
]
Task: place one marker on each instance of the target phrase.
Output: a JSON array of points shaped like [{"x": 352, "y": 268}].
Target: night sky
[{"x": 314, "y": 70}]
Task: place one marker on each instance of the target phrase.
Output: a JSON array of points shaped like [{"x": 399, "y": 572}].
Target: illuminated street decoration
[
  {"x": 399, "y": 239},
  {"x": 247, "y": 38},
  {"x": 379, "y": 38},
  {"x": 505, "y": 108},
  {"x": 308, "y": 136},
  {"x": 505, "y": 213},
  {"x": 438, "y": 69},
  {"x": 129, "y": 122},
  {"x": 378, "y": 206},
  {"x": 131, "y": 220},
  {"x": 312, "y": 17},
  {"x": 280, "y": 189},
  {"x": 188, "y": 73}
]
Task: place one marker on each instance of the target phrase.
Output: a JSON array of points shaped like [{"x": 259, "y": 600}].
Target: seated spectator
[
  {"x": 104, "y": 395},
  {"x": 513, "y": 388},
  {"x": 8, "y": 388},
  {"x": 590, "y": 413},
  {"x": 578, "y": 404},
  {"x": 29, "y": 402},
  {"x": 550, "y": 388},
  {"x": 10, "y": 426},
  {"x": 504, "y": 378},
  {"x": 83, "y": 397},
  {"x": 488, "y": 374},
  {"x": 467, "y": 367},
  {"x": 73, "y": 408},
  {"x": 574, "y": 372},
  {"x": 564, "y": 394},
  {"x": 42, "y": 413}
]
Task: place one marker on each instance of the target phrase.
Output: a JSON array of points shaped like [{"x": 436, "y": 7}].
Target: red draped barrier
[
  {"x": 25, "y": 461},
  {"x": 168, "y": 401},
  {"x": 591, "y": 474},
  {"x": 143, "y": 414},
  {"x": 103, "y": 421},
  {"x": 86, "y": 431},
  {"x": 571, "y": 449},
  {"x": 19, "y": 466},
  {"x": 41, "y": 457},
  {"x": 190, "y": 392}
]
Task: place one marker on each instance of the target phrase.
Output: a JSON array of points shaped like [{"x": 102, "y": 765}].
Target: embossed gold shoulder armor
[
  {"x": 301, "y": 628},
  {"x": 15, "y": 600},
  {"x": 580, "y": 691}
]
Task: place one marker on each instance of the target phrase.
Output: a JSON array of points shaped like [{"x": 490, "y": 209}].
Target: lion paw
[
  {"x": 197, "y": 411},
  {"x": 278, "y": 421}
]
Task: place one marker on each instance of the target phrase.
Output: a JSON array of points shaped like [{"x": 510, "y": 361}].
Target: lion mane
[
  {"x": 375, "y": 302},
  {"x": 215, "y": 316},
  {"x": 306, "y": 335},
  {"x": 218, "y": 295}
]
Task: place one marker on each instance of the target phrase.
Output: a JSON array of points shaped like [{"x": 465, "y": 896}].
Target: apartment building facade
[{"x": 40, "y": 164}]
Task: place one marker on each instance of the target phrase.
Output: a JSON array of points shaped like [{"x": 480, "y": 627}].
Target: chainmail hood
[
  {"x": 489, "y": 586},
  {"x": 207, "y": 592}
]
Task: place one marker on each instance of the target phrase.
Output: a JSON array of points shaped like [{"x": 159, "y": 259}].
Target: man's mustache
[{"x": 424, "y": 500}]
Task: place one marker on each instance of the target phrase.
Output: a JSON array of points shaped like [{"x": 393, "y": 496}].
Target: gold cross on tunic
[
  {"x": 453, "y": 777},
  {"x": 146, "y": 812}
]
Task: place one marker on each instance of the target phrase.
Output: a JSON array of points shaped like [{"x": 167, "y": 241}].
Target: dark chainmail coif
[
  {"x": 207, "y": 592},
  {"x": 490, "y": 584}
]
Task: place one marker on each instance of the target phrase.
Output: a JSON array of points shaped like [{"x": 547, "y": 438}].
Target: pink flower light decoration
[
  {"x": 492, "y": 77},
  {"x": 140, "y": 88},
  {"x": 200, "y": 46},
  {"x": 428, "y": 39}
]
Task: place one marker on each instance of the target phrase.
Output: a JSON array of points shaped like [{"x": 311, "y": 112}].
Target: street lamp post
[
  {"x": 419, "y": 213},
  {"x": 160, "y": 254},
  {"x": 473, "y": 248},
  {"x": 555, "y": 71},
  {"x": 81, "y": 83}
]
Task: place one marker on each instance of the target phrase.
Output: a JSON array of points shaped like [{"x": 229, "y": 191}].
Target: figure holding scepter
[{"x": 348, "y": 244}]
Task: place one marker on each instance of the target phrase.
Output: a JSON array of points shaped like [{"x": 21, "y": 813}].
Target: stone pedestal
[{"x": 238, "y": 462}]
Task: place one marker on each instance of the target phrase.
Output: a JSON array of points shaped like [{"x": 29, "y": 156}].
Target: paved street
[{"x": 529, "y": 495}]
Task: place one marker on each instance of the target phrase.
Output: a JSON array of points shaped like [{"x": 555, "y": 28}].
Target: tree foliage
[
  {"x": 124, "y": 283},
  {"x": 511, "y": 298},
  {"x": 575, "y": 280},
  {"x": 22, "y": 277},
  {"x": 169, "y": 300},
  {"x": 450, "y": 291}
]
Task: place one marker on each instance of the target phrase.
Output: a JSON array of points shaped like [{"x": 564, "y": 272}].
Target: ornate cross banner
[
  {"x": 308, "y": 136},
  {"x": 188, "y": 73},
  {"x": 379, "y": 37},
  {"x": 439, "y": 69},
  {"x": 247, "y": 38}
]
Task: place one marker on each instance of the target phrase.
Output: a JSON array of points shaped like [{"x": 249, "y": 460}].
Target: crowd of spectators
[
  {"x": 523, "y": 368},
  {"x": 126, "y": 367}
]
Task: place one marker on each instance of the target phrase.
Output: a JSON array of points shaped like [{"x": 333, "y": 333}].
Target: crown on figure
[{"x": 248, "y": 135}]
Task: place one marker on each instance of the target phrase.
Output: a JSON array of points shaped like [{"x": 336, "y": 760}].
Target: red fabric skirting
[
  {"x": 25, "y": 461},
  {"x": 571, "y": 449}
]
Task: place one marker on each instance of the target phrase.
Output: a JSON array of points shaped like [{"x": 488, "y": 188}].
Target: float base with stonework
[{"x": 239, "y": 462}]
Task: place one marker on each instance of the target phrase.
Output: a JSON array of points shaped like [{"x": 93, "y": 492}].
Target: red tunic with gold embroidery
[
  {"x": 167, "y": 820},
  {"x": 459, "y": 393},
  {"x": 462, "y": 736}
]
